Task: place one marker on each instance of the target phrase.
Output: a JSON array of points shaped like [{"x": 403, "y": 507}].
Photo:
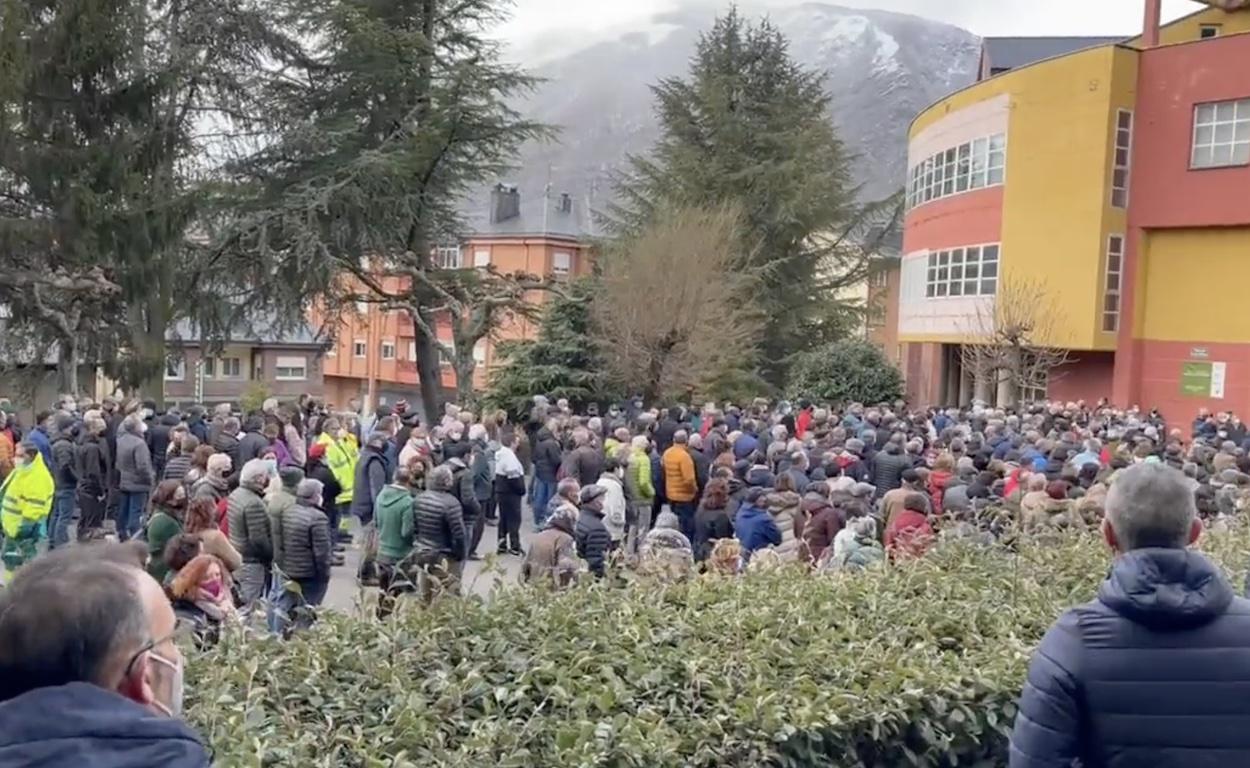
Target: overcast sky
[{"x": 540, "y": 18}]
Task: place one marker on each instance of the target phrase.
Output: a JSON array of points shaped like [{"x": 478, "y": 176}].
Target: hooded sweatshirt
[{"x": 396, "y": 523}]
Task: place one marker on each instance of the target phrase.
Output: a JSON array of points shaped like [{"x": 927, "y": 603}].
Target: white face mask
[{"x": 176, "y": 690}]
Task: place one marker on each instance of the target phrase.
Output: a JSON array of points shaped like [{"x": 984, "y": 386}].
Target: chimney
[
  {"x": 565, "y": 203},
  {"x": 505, "y": 203},
  {"x": 1150, "y": 31}
]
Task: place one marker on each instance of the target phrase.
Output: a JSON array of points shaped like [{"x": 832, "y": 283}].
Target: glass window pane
[
  {"x": 1110, "y": 322},
  {"x": 1113, "y": 282},
  {"x": 1112, "y": 303},
  {"x": 1202, "y": 157},
  {"x": 1206, "y": 113},
  {"x": 1222, "y": 154},
  {"x": 941, "y": 289},
  {"x": 1122, "y": 138},
  {"x": 957, "y": 289},
  {"x": 989, "y": 253},
  {"x": 998, "y": 141},
  {"x": 995, "y": 176},
  {"x": 943, "y": 274},
  {"x": 1242, "y": 131},
  {"x": 943, "y": 258},
  {"x": 1119, "y": 178},
  {"x": 948, "y": 186},
  {"x": 1119, "y": 198},
  {"x": 1125, "y": 119},
  {"x": 1241, "y": 153},
  {"x": 957, "y": 272},
  {"x": 970, "y": 287},
  {"x": 1243, "y": 109},
  {"x": 1223, "y": 133},
  {"x": 929, "y": 290},
  {"x": 1204, "y": 135},
  {"x": 989, "y": 287},
  {"x": 971, "y": 270},
  {"x": 932, "y": 260},
  {"x": 1113, "y": 262},
  {"x": 1225, "y": 110},
  {"x": 990, "y": 269},
  {"x": 1121, "y": 157}
]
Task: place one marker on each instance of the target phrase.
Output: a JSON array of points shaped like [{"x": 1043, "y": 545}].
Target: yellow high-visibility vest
[
  {"x": 27, "y": 495},
  {"x": 341, "y": 456}
]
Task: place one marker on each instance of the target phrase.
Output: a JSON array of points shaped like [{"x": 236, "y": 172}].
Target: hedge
[{"x": 919, "y": 664}]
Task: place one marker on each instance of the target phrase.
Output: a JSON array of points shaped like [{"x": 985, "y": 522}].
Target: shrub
[
  {"x": 920, "y": 664},
  {"x": 845, "y": 372}
]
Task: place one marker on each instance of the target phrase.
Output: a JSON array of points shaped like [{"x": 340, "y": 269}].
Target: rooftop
[
  {"x": 508, "y": 214},
  {"x": 1014, "y": 52},
  {"x": 261, "y": 332}
]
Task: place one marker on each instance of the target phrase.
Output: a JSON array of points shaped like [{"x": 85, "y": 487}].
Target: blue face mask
[{"x": 272, "y": 464}]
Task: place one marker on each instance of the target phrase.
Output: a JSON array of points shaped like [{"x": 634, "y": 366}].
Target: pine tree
[
  {"x": 750, "y": 127},
  {"x": 394, "y": 111},
  {"x": 562, "y": 361}
]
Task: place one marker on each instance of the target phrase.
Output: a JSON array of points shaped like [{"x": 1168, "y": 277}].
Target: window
[
  {"x": 974, "y": 165},
  {"x": 231, "y": 367},
  {"x": 331, "y": 351},
  {"x": 1123, "y": 146},
  {"x": 561, "y": 262},
  {"x": 362, "y": 308},
  {"x": 209, "y": 366},
  {"x": 1207, "y": 31},
  {"x": 446, "y": 358},
  {"x": 412, "y": 351},
  {"x": 358, "y": 348},
  {"x": 291, "y": 369},
  {"x": 448, "y": 257},
  {"x": 481, "y": 257},
  {"x": 1115, "y": 272},
  {"x": 1221, "y": 134},
  {"x": 388, "y": 350},
  {"x": 479, "y": 352},
  {"x": 971, "y": 271},
  {"x": 175, "y": 369}
]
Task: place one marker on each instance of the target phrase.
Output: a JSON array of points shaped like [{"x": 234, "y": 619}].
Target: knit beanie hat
[{"x": 291, "y": 477}]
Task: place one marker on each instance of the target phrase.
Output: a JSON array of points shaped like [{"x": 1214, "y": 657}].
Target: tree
[
  {"x": 1011, "y": 339},
  {"x": 106, "y": 110},
  {"x": 853, "y": 371},
  {"x": 674, "y": 315},
  {"x": 561, "y": 362},
  {"x": 750, "y": 127},
  {"x": 392, "y": 112}
]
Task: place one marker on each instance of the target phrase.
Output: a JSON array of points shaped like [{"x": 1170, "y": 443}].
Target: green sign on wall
[{"x": 1203, "y": 379}]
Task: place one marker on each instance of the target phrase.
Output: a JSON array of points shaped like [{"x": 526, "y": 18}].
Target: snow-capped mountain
[{"x": 882, "y": 67}]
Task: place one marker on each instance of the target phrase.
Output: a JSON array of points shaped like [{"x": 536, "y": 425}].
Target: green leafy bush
[
  {"x": 845, "y": 372},
  {"x": 916, "y": 665}
]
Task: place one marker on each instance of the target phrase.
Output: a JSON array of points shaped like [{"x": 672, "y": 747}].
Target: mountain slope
[{"x": 882, "y": 67}]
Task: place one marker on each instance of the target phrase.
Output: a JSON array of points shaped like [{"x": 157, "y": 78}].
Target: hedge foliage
[
  {"x": 853, "y": 371},
  {"x": 919, "y": 664}
]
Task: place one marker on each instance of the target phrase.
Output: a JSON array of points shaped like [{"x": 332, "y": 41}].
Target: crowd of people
[{"x": 230, "y": 513}]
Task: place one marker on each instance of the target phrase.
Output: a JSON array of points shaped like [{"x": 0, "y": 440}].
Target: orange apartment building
[{"x": 547, "y": 236}]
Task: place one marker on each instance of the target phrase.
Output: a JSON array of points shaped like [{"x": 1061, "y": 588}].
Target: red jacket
[
  {"x": 802, "y": 422},
  {"x": 938, "y": 480},
  {"x": 908, "y": 536}
]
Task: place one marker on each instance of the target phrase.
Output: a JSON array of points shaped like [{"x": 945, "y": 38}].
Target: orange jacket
[{"x": 680, "y": 484}]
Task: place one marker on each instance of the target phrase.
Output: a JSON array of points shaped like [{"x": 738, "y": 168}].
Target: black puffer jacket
[
  {"x": 91, "y": 460},
  {"x": 584, "y": 464},
  {"x": 593, "y": 540},
  {"x": 306, "y": 543},
  {"x": 546, "y": 456},
  {"x": 440, "y": 526},
  {"x": 253, "y": 443},
  {"x": 229, "y": 445},
  {"x": 65, "y": 463},
  {"x": 888, "y": 468},
  {"x": 249, "y": 525}
]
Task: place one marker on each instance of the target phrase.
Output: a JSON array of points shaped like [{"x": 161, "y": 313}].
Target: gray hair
[
  {"x": 477, "y": 432},
  {"x": 231, "y": 426},
  {"x": 681, "y": 437},
  {"x": 863, "y": 527},
  {"x": 1151, "y": 505},
  {"x": 133, "y": 424},
  {"x": 640, "y": 442},
  {"x": 440, "y": 479},
  {"x": 568, "y": 485},
  {"x": 695, "y": 441},
  {"x": 309, "y": 489},
  {"x": 255, "y": 472},
  {"x": 1093, "y": 445}
]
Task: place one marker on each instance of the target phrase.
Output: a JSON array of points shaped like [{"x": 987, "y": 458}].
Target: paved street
[{"x": 479, "y": 576}]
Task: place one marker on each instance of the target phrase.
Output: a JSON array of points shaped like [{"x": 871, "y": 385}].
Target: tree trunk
[
  {"x": 465, "y": 366},
  {"x": 67, "y": 363},
  {"x": 428, "y": 373},
  {"x": 152, "y": 345}
]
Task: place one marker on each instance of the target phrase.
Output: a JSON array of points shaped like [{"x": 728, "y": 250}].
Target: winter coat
[
  {"x": 276, "y": 505},
  {"x": 855, "y": 553},
  {"x": 664, "y": 432},
  {"x": 786, "y": 509},
  {"x": 710, "y": 525},
  {"x": 892, "y": 504},
  {"x": 483, "y": 473},
  {"x": 205, "y": 488},
  {"x": 370, "y": 479},
  {"x": 547, "y": 456},
  {"x": 756, "y": 529},
  {"x": 585, "y": 464},
  {"x": 91, "y": 458},
  {"x": 1154, "y": 672},
  {"x": 745, "y": 445},
  {"x": 702, "y": 468},
  {"x": 229, "y": 445},
  {"x": 158, "y": 441},
  {"x": 681, "y": 484},
  {"x": 306, "y": 546},
  {"x": 638, "y": 485},
  {"x": 615, "y": 507},
  {"x": 910, "y": 535},
  {"x": 295, "y": 444},
  {"x": 888, "y": 468},
  {"x": 440, "y": 527},
  {"x": 177, "y": 468},
  {"x": 134, "y": 464},
  {"x": 252, "y": 445},
  {"x": 552, "y": 557},
  {"x": 823, "y": 523},
  {"x": 319, "y": 470},
  {"x": 81, "y": 724},
  {"x": 938, "y": 480},
  {"x": 397, "y": 524},
  {"x": 593, "y": 541},
  {"x": 249, "y": 525},
  {"x": 65, "y": 468}
]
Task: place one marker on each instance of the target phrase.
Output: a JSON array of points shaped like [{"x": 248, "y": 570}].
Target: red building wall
[{"x": 964, "y": 219}]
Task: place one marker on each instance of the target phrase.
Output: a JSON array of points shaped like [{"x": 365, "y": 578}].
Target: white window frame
[
  {"x": 481, "y": 258},
  {"x": 1210, "y": 135},
  {"x": 556, "y": 268},
  {"x": 412, "y": 351},
  {"x": 360, "y": 348},
  {"x": 961, "y": 272},
  {"x": 479, "y": 352},
  {"x": 296, "y": 368},
  {"x": 208, "y": 365},
  {"x": 332, "y": 351},
  {"x": 969, "y": 166},
  {"x": 176, "y": 369},
  {"x": 443, "y": 359},
  {"x": 1123, "y": 144},
  {"x": 1113, "y": 289},
  {"x": 224, "y": 370},
  {"x": 388, "y": 350},
  {"x": 449, "y": 257}
]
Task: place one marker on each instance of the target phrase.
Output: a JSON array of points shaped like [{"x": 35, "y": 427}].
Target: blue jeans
[
  {"x": 62, "y": 514},
  {"x": 543, "y": 491},
  {"x": 130, "y": 513},
  {"x": 685, "y": 515}
]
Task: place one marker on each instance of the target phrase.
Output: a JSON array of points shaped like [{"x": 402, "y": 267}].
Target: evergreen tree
[
  {"x": 393, "y": 112},
  {"x": 561, "y": 362},
  {"x": 750, "y": 127}
]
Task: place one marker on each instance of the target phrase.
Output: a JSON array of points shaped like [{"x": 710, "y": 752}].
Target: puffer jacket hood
[{"x": 1166, "y": 589}]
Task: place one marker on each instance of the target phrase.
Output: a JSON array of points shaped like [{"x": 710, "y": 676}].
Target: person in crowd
[
  {"x": 215, "y": 484},
  {"x": 754, "y": 526},
  {"x": 318, "y": 469},
  {"x": 250, "y": 530},
  {"x": 278, "y": 500},
  {"x": 860, "y": 550},
  {"x": 552, "y": 557},
  {"x": 892, "y": 501},
  {"x": 615, "y": 503},
  {"x": 824, "y": 521},
  {"x": 306, "y": 548},
  {"x": 181, "y": 454},
  {"x": 940, "y": 478},
  {"x": 200, "y": 521},
  {"x": 483, "y": 473},
  {"x": 1151, "y": 671},
  {"x": 93, "y": 468},
  {"x": 198, "y": 465},
  {"x": 666, "y": 553},
  {"x": 712, "y": 522},
  {"x": 681, "y": 485},
  {"x": 227, "y": 441},
  {"x": 889, "y": 465},
  {"x": 179, "y": 551},
  {"x": 341, "y": 455},
  {"x": 462, "y": 489},
  {"x": 786, "y": 507},
  {"x": 440, "y": 544},
  {"x": 201, "y": 591},
  {"x": 64, "y": 471},
  {"x": 253, "y": 442},
  {"x": 90, "y": 670},
  {"x": 910, "y": 535},
  {"x": 25, "y": 503},
  {"x": 594, "y": 543},
  {"x": 509, "y": 494},
  {"x": 395, "y": 518},
  {"x": 136, "y": 475},
  {"x": 585, "y": 461},
  {"x": 640, "y": 490},
  {"x": 371, "y": 472},
  {"x": 169, "y": 502}
]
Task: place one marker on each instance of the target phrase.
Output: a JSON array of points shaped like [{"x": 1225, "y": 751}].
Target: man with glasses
[{"x": 90, "y": 671}]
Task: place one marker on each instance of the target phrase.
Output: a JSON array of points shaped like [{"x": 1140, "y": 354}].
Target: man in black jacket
[
  {"x": 439, "y": 546},
  {"x": 93, "y": 467},
  {"x": 889, "y": 465},
  {"x": 547, "y": 460},
  {"x": 591, "y": 535},
  {"x": 254, "y": 443},
  {"x": 64, "y": 471},
  {"x": 462, "y": 489},
  {"x": 667, "y": 427},
  {"x": 227, "y": 442}
]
